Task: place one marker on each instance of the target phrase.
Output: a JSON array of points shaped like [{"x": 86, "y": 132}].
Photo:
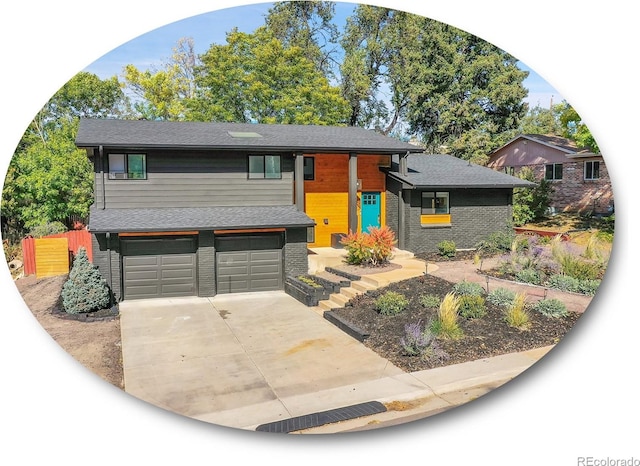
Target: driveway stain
[
  {"x": 223, "y": 313},
  {"x": 308, "y": 344}
]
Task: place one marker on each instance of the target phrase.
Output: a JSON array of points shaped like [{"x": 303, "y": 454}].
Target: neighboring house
[
  {"x": 197, "y": 209},
  {"x": 432, "y": 198},
  {"x": 580, "y": 178}
]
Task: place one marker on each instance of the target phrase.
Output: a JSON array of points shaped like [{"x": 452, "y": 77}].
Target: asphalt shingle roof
[
  {"x": 446, "y": 171},
  {"x": 235, "y": 136},
  {"x": 195, "y": 218}
]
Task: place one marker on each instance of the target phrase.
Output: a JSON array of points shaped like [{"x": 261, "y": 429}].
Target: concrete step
[
  {"x": 363, "y": 286},
  {"x": 339, "y": 299},
  {"x": 350, "y": 292},
  {"x": 326, "y": 305},
  {"x": 376, "y": 282}
]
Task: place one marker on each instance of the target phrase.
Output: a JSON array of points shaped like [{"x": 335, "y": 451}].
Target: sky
[
  {"x": 578, "y": 402},
  {"x": 155, "y": 47}
]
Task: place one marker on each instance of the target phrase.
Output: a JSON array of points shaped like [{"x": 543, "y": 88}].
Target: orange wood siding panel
[
  {"x": 330, "y": 206},
  {"x": 437, "y": 219},
  {"x": 369, "y": 172},
  {"x": 332, "y": 173},
  {"x": 52, "y": 257}
]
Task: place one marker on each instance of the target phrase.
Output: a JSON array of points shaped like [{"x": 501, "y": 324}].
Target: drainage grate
[{"x": 325, "y": 417}]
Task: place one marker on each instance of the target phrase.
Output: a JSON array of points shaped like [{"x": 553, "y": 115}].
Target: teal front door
[{"x": 370, "y": 211}]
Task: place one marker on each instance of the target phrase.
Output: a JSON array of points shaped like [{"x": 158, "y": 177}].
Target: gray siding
[
  {"x": 195, "y": 179},
  {"x": 475, "y": 213}
]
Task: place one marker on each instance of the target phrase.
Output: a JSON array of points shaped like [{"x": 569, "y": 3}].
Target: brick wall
[
  {"x": 575, "y": 194},
  {"x": 295, "y": 252},
  {"x": 102, "y": 254},
  {"x": 475, "y": 213},
  {"x": 206, "y": 264}
]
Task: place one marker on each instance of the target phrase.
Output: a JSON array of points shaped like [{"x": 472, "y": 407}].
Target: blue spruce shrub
[{"x": 85, "y": 290}]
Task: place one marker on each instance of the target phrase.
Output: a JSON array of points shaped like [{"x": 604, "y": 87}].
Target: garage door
[
  {"x": 159, "y": 268},
  {"x": 249, "y": 263}
]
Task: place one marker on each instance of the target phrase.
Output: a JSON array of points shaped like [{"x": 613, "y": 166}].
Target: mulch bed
[{"x": 483, "y": 337}]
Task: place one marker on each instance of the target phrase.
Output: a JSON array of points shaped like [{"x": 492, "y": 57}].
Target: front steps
[
  {"x": 361, "y": 284},
  {"x": 347, "y": 293}
]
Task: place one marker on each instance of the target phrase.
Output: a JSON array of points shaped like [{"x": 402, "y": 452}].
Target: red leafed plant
[{"x": 372, "y": 248}]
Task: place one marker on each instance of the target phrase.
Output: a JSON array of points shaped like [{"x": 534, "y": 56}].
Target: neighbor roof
[
  {"x": 195, "y": 218},
  {"x": 446, "y": 171},
  {"x": 143, "y": 134}
]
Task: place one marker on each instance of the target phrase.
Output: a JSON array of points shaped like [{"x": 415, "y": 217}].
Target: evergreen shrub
[{"x": 85, "y": 290}]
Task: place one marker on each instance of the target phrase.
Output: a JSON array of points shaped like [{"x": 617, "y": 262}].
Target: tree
[
  {"x": 531, "y": 203},
  {"x": 573, "y": 127},
  {"x": 456, "y": 92},
  {"x": 85, "y": 290},
  {"x": 255, "y": 78},
  {"x": 307, "y": 25},
  {"x": 162, "y": 94},
  {"x": 48, "y": 181},
  {"x": 540, "y": 120},
  {"x": 48, "y": 178}
]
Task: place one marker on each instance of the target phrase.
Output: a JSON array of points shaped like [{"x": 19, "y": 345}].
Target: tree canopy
[
  {"x": 49, "y": 179},
  {"x": 255, "y": 78}
]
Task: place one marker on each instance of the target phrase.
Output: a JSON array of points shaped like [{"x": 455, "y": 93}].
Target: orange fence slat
[{"x": 75, "y": 239}]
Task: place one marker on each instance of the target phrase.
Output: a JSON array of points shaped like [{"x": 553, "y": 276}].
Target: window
[
  {"x": 265, "y": 166},
  {"x": 127, "y": 167},
  {"x": 553, "y": 171},
  {"x": 434, "y": 203},
  {"x": 435, "y": 209},
  {"x": 591, "y": 170},
  {"x": 309, "y": 168},
  {"x": 510, "y": 171}
]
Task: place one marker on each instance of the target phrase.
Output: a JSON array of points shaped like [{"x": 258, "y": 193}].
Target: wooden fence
[{"x": 33, "y": 255}]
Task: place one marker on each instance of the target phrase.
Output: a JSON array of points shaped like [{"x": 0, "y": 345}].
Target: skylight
[{"x": 244, "y": 134}]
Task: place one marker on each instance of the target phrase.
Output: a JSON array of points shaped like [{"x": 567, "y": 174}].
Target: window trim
[
  {"x": 126, "y": 174},
  {"x": 595, "y": 173},
  {"x": 554, "y": 173},
  {"x": 252, "y": 175}
]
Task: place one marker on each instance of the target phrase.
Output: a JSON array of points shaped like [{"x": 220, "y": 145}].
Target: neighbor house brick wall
[
  {"x": 575, "y": 194},
  {"x": 475, "y": 214},
  {"x": 295, "y": 252}
]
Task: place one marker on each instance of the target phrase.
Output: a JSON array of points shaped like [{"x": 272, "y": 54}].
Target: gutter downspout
[
  {"x": 104, "y": 194},
  {"x": 404, "y": 171},
  {"x": 109, "y": 269}
]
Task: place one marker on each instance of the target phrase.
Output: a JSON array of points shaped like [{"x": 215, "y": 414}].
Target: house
[
  {"x": 197, "y": 209},
  {"x": 190, "y": 208},
  {"x": 580, "y": 178},
  {"x": 432, "y": 198}
]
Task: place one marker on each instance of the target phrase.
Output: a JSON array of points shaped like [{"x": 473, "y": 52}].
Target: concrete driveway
[{"x": 241, "y": 360}]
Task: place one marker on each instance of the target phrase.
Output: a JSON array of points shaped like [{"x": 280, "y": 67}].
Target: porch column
[
  {"x": 353, "y": 192},
  {"x": 298, "y": 177},
  {"x": 401, "y": 219}
]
